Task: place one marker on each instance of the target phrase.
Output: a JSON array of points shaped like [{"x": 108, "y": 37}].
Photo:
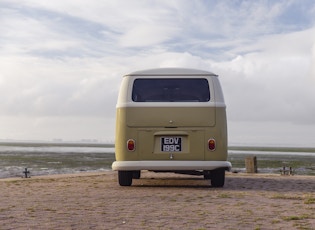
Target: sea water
[
  {"x": 45, "y": 160},
  {"x": 302, "y": 163},
  {"x": 53, "y": 159}
]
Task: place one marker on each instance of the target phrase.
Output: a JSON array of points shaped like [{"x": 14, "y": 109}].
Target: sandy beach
[{"x": 157, "y": 201}]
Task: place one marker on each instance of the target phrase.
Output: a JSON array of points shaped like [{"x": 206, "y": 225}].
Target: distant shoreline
[{"x": 59, "y": 144}]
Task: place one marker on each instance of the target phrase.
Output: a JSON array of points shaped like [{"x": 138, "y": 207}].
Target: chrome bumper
[{"x": 170, "y": 165}]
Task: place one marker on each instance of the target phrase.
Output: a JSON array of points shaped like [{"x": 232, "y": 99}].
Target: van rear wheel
[
  {"x": 136, "y": 174},
  {"x": 217, "y": 178},
  {"x": 125, "y": 178},
  {"x": 207, "y": 174}
]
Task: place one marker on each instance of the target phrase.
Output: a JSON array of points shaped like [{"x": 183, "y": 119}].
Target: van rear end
[{"x": 171, "y": 120}]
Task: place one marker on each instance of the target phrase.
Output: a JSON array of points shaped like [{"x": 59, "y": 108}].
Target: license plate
[{"x": 171, "y": 144}]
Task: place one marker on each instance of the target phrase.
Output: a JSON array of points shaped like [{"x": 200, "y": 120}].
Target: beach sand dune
[{"x": 157, "y": 201}]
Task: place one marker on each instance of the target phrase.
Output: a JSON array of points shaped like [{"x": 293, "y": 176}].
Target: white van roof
[{"x": 171, "y": 72}]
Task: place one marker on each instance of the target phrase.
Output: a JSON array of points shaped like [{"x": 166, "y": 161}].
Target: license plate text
[{"x": 171, "y": 144}]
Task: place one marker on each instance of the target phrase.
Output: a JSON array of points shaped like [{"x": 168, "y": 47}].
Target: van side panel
[
  {"x": 219, "y": 133},
  {"x": 123, "y": 134}
]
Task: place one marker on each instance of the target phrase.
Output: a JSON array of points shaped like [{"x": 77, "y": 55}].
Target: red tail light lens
[
  {"x": 211, "y": 144},
  {"x": 131, "y": 145}
]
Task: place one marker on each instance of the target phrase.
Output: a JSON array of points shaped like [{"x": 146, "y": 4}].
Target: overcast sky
[{"x": 61, "y": 63}]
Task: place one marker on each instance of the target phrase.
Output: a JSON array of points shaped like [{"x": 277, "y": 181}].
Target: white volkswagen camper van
[{"x": 171, "y": 120}]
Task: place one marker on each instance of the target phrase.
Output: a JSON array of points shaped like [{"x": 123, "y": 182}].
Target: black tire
[
  {"x": 207, "y": 174},
  {"x": 136, "y": 174},
  {"x": 125, "y": 178},
  {"x": 217, "y": 178}
]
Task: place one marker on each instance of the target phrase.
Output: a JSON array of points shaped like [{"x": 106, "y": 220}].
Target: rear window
[{"x": 171, "y": 90}]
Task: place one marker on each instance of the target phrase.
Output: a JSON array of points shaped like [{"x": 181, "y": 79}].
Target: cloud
[
  {"x": 68, "y": 128},
  {"x": 272, "y": 84},
  {"x": 146, "y": 35},
  {"x": 60, "y": 88},
  {"x": 63, "y": 61},
  {"x": 142, "y": 23},
  {"x": 312, "y": 71}
]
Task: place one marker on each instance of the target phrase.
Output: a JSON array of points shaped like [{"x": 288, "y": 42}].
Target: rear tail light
[
  {"x": 131, "y": 145},
  {"x": 211, "y": 144}
]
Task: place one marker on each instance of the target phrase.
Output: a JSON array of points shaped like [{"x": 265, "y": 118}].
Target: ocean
[
  {"x": 68, "y": 158},
  {"x": 46, "y": 159}
]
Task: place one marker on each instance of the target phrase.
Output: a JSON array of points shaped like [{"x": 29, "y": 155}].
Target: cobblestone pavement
[{"x": 157, "y": 201}]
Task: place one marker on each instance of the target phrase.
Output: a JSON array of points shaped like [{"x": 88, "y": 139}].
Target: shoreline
[
  {"x": 60, "y": 175},
  {"x": 45, "y": 159},
  {"x": 110, "y": 172}
]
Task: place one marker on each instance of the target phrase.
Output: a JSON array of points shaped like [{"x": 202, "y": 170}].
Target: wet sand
[{"x": 157, "y": 201}]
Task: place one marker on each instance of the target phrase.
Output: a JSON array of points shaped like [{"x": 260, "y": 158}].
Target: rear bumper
[{"x": 170, "y": 165}]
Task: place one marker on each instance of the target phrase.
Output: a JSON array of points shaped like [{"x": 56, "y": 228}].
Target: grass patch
[
  {"x": 249, "y": 212},
  {"x": 275, "y": 221},
  {"x": 50, "y": 210},
  {"x": 14, "y": 182},
  {"x": 31, "y": 209},
  {"x": 224, "y": 195},
  {"x": 302, "y": 217},
  {"x": 286, "y": 197},
  {"x": 240, "y": 203},
  {"x": 310, "y": 200},
  {"x": 3, "y": 209}
]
